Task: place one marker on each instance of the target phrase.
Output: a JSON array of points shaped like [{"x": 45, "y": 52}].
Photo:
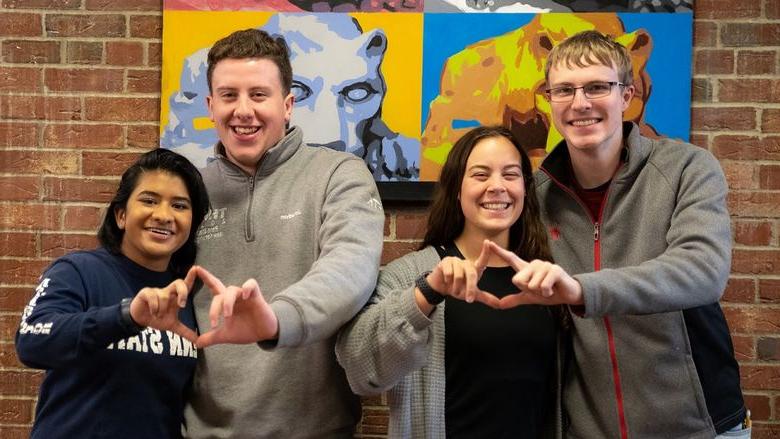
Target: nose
[
  {"x": 243, "y": 108},
  {"x": 496, "y": 185},
  {"x": 579, "y": 102},
  {"x": 162, "y": 213}
]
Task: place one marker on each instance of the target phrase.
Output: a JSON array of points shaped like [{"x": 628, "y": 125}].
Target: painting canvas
[{"x": 397, "y": 84}]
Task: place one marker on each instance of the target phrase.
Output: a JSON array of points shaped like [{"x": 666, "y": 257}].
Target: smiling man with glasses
[{"x": 642, "y": 227}]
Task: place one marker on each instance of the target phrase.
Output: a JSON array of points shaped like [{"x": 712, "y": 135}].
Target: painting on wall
[{"x": 398, "y": 88}]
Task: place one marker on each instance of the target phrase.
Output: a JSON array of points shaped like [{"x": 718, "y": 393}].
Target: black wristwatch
[
  {"x": 126, "y": 318},
  {"x": 431, "y": 296}
]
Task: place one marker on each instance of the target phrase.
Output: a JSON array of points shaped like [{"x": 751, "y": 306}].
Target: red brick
[
  {"x": 20, "y": 24},
  {"x": 752, "y": 320},
  {"x": 705, "y": 33},
  {"x": 766, "y": 431},
  {"x": 756, "y": 261},
  {"x": 16, "y": 411},
  {"x": 759, "y": 406},
  {"x": 83, "y": 136},
  {"x": 31, "y": 52},
  {"x": 154, "y": 55},
  {"x": 19, "y": 271},
  {"x": 14, "y": 299},
  {"x": 42, "y": 4},
  {"x": 143, "y": 81},
  {"x": 84, "y": 52},
  {"x": 768, "y": 348},
  {"x": 749, "y": 90},
  {"x": 17, "y": 134},
  {"x": 740, "y": 290},
  {"x": 40, "y": 107},
  {"x": 54, "y": 245},
  {"x": 749, "y": 34},
  {"x": 770, "y": 120},
  {"x": 20, "y": 79},
  {"x": 731, "y": 119},
  {"x": 106, "y": 163},
  {"x": 15, "y": 432},
  {"x": 17, "y": 188},
  {"x": 124, "y": 53},
  {"x": 769, "y": 290},
  {"x": 58, "y": 26},
  {"x": 753, "y": 233},
  {"x": 728, "y": 8},
  {"x": 8, "y": 355},
  {"x": 740, "y": 174},
  {"x": 394, "y": 250},
  {"x": 744, "y": 347},
  {"x": 700, "y": 140},
  {"x": 146, "y": 26},
  {"x": 769, "y": 177},
  {"x": 17, "y": 244},
  {"x": 701, "y": 90},
  {"x": 39, "y": 162},
  {"x": 411, "y": 225},
  {"x": 82, "y": 218},
  {"x": 122, "y": 109},
  {"x": 127, "y": 5},
  {"x": 756, "y": 62},
  {"x": 29, "y": 216},
  {"x": 772, "y": 11},
  {"x": 738, "y": 147},
  {"x": 756, "y": 204},
  {"x": 713, "y": 62},
  {"x": 79, "y": 189},
  {"x": 14, "y": 382},
  {"x": 143, "y": 136},
  {"x": 764, "y": 377},
  {"x": 89, "y": 80}
]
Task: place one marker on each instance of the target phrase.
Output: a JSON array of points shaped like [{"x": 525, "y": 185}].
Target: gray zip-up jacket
[
  {"x": 661, "y": 245},
  {"x": 308, "y": 227}
]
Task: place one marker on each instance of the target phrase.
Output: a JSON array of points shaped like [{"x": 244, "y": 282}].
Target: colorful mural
[{"x": 398, "y": 89}]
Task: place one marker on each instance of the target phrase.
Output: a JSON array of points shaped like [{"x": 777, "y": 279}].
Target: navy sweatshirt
[{"x": 103, "y": 379}]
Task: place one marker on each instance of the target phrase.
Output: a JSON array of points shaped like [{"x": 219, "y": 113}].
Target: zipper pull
[{"x": 595, "y": 231}]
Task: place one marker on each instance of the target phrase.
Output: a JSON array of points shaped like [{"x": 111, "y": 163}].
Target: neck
[
  {"x": 594, "y": 168},
  {"x": 470, "y": 245}
]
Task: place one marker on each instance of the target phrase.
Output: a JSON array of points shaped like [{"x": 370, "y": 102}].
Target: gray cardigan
[{"x": 392, "y": 346}]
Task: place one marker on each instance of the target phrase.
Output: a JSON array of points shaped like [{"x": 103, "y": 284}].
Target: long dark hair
[
  {"x": 527, "y": 236},
  {"x": 110, "y": 235}
]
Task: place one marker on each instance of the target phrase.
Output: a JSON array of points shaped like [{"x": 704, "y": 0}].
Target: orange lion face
[{"x": 500, "y": 81}]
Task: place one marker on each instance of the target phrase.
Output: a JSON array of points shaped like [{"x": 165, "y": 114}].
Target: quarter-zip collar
[{"x": 272, "y": 159}]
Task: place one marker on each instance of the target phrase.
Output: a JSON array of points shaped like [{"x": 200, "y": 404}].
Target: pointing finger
[{"x": 508, "y": 256}]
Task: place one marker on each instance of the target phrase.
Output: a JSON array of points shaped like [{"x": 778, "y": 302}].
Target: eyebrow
[
  {"x": 513, "y": 165},
  {"x": 155, "y": 194}
]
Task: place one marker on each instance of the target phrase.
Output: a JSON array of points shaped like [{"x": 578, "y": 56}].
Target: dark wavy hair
[
  {"x": 252, "y": 43},
  {"x": 527, "y": 236},
  {"x": 110, "y": 235}
]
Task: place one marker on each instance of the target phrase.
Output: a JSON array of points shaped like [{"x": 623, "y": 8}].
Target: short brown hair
[
  {"x": 252, "y": 43},
  {"x": 589, "y": 48}
]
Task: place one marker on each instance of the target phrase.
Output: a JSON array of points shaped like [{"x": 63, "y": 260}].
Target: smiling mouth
[
  {"x": 495, "y": 206},
  {"x": 584, "y": 122},
  {"x": 158, "y": 231},
  {"x": 245, "y": 130}
]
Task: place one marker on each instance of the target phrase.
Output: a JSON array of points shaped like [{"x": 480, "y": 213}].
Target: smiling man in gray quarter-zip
[{"x": 305, "y": 223}]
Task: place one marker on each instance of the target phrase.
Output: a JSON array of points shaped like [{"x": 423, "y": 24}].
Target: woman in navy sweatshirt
[{"x": 112, "y": 327}]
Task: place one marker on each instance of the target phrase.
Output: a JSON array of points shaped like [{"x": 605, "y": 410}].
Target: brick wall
[{"x": 79, "y": 82}]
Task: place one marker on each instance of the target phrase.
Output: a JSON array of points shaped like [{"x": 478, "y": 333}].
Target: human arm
[
  {"x": 159, "y": 307},
  {"x": 391, "y": 336},
  {"x": 342, "y": 277},
  {"x": 60, "y": 324}
]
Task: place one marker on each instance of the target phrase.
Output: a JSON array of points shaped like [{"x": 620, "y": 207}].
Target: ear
[
  {"x": 289, "y": 102},
  {"x": 209, "y": 103},
  {"x": 120, "y": 217},
  {"x": 374, "y": 44},
  {"x": 627, "y": 96}
]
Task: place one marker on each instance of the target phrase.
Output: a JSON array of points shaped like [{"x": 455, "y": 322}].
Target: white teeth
[
  {"x": 585, "y": 122},
  {"x": 495, "y": 206},
  {"x": 246, "y": 130},
  {"x": 160, "y": 231}
]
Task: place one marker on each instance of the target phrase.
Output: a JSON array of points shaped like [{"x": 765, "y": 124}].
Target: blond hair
[{"x": 588, "y": 48}]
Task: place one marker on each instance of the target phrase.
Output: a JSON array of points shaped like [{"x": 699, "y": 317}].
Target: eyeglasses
[{"x": 592, "y": 90}]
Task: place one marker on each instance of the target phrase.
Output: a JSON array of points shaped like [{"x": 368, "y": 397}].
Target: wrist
[
  {"x": 126, "y": 317},
  {"x": 431, "y": 296}
]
